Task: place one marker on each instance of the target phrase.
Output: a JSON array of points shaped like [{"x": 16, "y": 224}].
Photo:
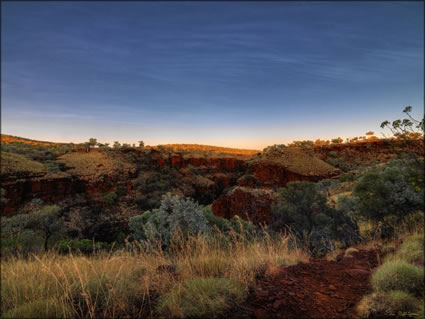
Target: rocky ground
[{"x": 318, "y": 289}]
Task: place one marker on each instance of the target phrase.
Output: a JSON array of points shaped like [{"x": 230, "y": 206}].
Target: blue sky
[{"x": 233, "y": 74}]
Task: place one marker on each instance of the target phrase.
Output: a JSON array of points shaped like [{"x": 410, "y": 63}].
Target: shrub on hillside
[
  {"x": 110, "y": 198},
  {"x": 386, "y": 195},
  {"x": 347, "y": 177},
  {"x": 303, "y": 210},
  {"x": 340, "y": 162}
]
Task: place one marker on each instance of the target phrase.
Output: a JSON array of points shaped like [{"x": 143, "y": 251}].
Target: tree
[
  {"x": 16, "y": 237},
  {"x": 402, "y": 128},
  {"x": 337, "y": 140},
  {"x": 319, "y": 142},
  {"x": 117, "y": 145},
  {"x": 47, "y": 221},
  {"x": 141, "y": 144},
  {"x": 303, "y": 210},
  {"x": 92, "y": 142},
  {"x": 408, "y": 134},
  {"x": 386, "y": 195}
]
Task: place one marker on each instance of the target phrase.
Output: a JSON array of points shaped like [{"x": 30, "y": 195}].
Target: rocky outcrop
[
  {"x": 54, "y": 189},
  {"x": 275, "y": 175},
  {"x": 219, "y": 163},
  {"x": 250, "y": 204},
  {"x": 288, "y": 165},
  {"x": 89, "y": 173},
  {"x": 47, "y": 189}
]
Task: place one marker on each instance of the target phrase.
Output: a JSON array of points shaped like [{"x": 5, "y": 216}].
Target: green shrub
[
  {"x": 394, "y": 304},
  {"x": 347, "y": 177},
  {"x": 110, "y": 198},
  {"x": 25, "y": 242},
  {"x": 47, "y": 221},
  {"x": 201, "y": 298},
  {"x": 42, "y": 308},
  {"x": 174, "y": 214},
  {"x": 222, "y": 224},
  {"x": 399, "y": 276},
  {"x": 412, "y": 249},
  {"x": 386, "y": 195},
  {"x": 302, "y": 209}
]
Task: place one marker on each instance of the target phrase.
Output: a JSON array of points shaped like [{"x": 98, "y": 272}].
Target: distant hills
[{"x": 5, "y": 139}]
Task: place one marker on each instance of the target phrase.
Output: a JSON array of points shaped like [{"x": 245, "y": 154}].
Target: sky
[{"x": 236, "y": 74}]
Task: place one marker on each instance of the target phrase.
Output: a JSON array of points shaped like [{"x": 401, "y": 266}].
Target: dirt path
[{"x": 318, "y": 289}]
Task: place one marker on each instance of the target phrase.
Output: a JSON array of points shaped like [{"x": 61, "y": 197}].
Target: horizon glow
[{"x": 243, "y": 75}]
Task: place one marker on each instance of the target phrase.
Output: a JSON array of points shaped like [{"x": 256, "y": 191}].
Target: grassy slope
[
  {"x": 5, "y": 139},
  {"x": 94, "y": 163},
  {"x": 14, "y": 163},
  {"x": 298, "y": 161}
]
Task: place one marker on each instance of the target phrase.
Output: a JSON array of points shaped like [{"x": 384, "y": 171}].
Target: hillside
[
  {"x": 209, "y": 148},
  {"x": 272, "y": 215},
  {"x": 6, "y": 139}
]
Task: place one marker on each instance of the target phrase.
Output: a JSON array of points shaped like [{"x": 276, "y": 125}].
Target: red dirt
[{"x": 318, "y": 289}]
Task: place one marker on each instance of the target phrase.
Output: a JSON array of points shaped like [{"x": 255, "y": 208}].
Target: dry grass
[
  {"x": 398, "y": 285},
  {"x": 350, "y": 251},
  {"x": 128, "y": 283}
]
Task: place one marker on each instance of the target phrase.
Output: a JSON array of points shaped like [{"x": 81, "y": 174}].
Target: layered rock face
[
  {"x": 89, "y": 173},
  {"x": 96, "y": 172},
  {"x": 267, "y": 173},
  {"x": 47, "y": 189},
  {"x": 230, "y": 164}
]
